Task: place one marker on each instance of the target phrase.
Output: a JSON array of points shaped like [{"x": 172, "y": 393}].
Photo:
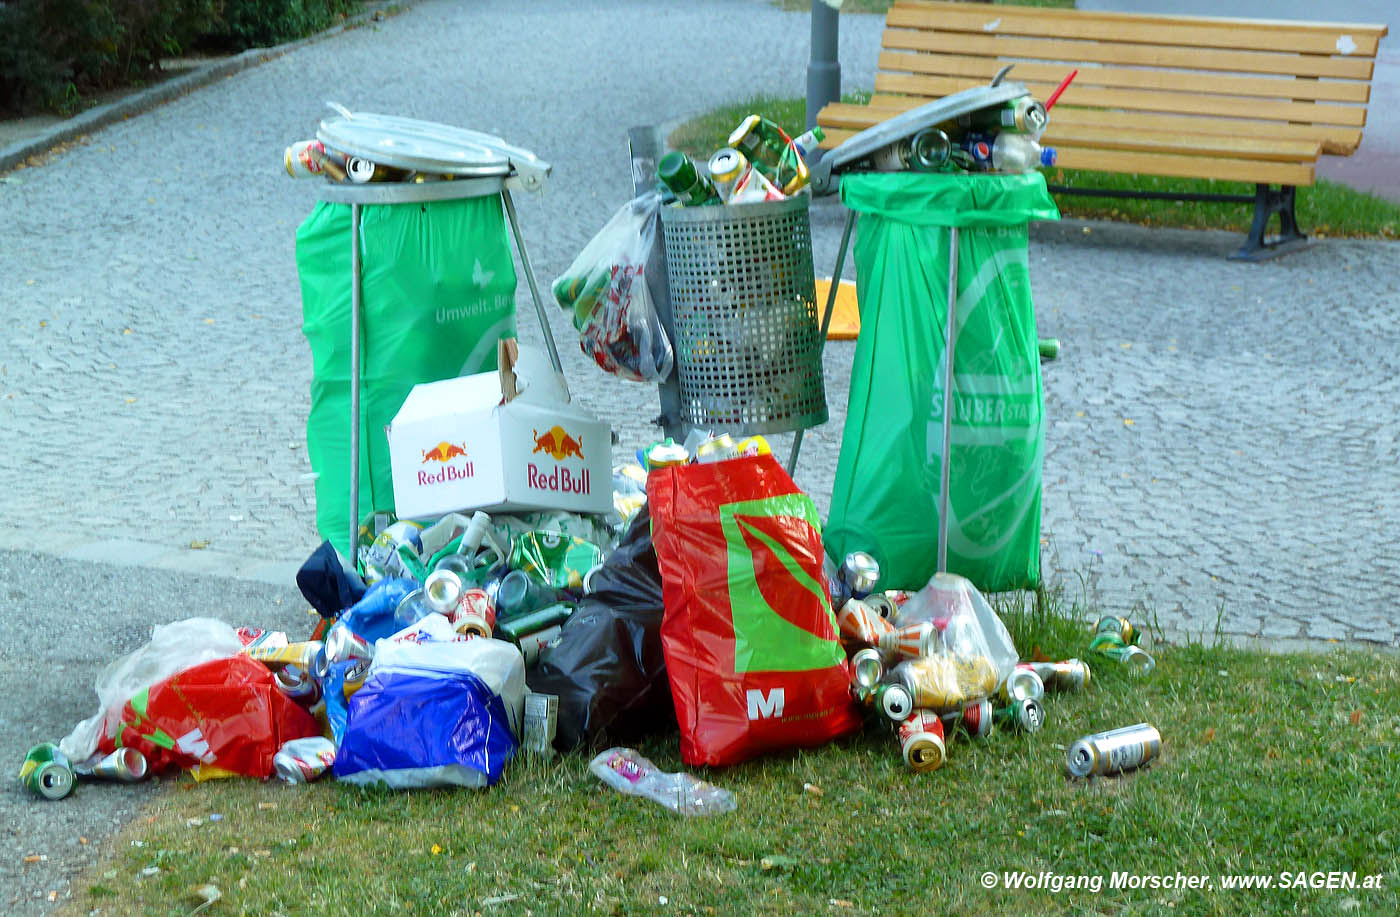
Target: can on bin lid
[
  {"x": 47, "y": 772},
  {"x": 921, "y": 741}
]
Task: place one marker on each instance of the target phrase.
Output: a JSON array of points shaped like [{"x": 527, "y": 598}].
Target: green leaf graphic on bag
[{"x": 785, "y": 622}]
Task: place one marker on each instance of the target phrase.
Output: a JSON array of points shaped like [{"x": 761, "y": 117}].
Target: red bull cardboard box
[{"x": 499, "y": 441}]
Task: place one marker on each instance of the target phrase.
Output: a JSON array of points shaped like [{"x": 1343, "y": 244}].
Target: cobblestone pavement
[{"x": 1222, "y": 436}]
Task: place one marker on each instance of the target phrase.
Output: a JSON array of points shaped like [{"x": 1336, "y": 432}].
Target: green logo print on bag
[{"x": 783, "y": 620}]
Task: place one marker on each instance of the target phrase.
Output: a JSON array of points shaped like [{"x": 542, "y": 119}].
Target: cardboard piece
[{"x": 501, "y": 441}]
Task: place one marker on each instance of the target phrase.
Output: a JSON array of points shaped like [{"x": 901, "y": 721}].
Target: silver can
[
  {"x": 1113, "y": 751},
  {"x": 861, "y": 572},
  {"x": 1023, "y": 683},
  {"x": 1068, "y": 675}
]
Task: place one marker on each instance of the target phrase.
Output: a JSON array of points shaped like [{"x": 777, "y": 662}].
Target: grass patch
[
  {"x": 1272, "y": 765},
  {"x": 1325, "y": 209}
]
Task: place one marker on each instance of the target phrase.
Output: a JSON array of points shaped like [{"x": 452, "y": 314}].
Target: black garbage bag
[{"x": 607, "y": 667}]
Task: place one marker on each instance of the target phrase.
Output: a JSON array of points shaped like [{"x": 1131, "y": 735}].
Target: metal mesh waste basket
[{"x": 748, "y": 348}]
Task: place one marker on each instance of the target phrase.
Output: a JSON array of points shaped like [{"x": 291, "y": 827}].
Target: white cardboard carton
[{"x": 503, "y": 441}]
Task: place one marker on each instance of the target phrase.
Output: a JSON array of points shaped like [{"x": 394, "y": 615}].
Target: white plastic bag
[
  {"x": 606, "y": 289},
  {"x": 172, "y": 649}
]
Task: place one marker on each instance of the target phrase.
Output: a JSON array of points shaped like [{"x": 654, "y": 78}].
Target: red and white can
[
  {"x": 860, "y": 625},
  {"x": 921, "y": 741},
  {"x": 475, "y": 614},
  {"x": 913, "y": 641}
]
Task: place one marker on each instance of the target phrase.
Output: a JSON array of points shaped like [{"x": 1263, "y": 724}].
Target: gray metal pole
[
  {"x": 530, "y": 279},
  {"x": 356, "y": 306},
  {"x": 950, "y": 341},
  {"x": 823, "y": 69}
]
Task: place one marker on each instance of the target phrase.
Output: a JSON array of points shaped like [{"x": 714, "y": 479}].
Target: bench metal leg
[{"x": 1267, "y": 202}]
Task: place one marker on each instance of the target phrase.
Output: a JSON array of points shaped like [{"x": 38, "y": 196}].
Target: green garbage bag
[
  {"x": 437, "y": 291},
  {"x": 885, "y": 494}
]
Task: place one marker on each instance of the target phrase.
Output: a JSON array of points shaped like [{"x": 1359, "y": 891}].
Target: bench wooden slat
[
  {"x": 1093, "y": 52},
  {"x": 1337, "y": 141},
  {"x": 1100, "y": 160},
  {"x": 1121, "y": 27},
  {"x": 932, "y": 87},
  {"x": 1061, "y": 136},
  {"x": 1129, "y": 78}
]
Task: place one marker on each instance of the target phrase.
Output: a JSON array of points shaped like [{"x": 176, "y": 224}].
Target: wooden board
[
  {"x": 1094, "y": 52},
  {"x": 1194, "y": 81},
  {"x": 1203, "y": 32}
]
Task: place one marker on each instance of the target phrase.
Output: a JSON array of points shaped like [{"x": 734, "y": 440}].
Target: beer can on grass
[
  {"x": 1122, "y": 628},
  {"x": 894, "y": 701},
  {"x": 303, "y": 760},
  {"x": 921, "y": 741},
  {"x": 1026, "y": 715},
  {"x": 1021, "y": 684},
  {"x": 1067, "y": 675},
  {"x": 47, "y": 772},
  {"x": 1135, "y": 658},
  {"x": 1113, "y": 751},
  {"x": 975, "y": 719}
]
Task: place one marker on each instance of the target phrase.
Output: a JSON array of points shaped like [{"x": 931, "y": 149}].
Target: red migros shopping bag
[{"x": 749, "y": 635}]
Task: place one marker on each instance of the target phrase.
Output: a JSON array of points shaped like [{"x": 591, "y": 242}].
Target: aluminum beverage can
[
  {"x": 303, "y": 159},
  {"x": 126, "y": 765},
  {"x": 309, "y": 656},
  {"x": 46, "y": 771},
  {"x": 518, "y": 628},
  {"x": 921, "y": 741},
  {"x": 859, "y": 625},
  {"x": 532, "y": 645},
  {"x": 1138, "y": 660},
  {"x": 298, "y": 684},
  {"x": 1113, "y": 751},
  {"x": 725, "y": 167},
  {"x": 913, "y": 641},
  {"x": 520, "y": 594},
  {"x": 1120, "y": 627},
  {"x": 881, "y": 604},
  {"x": 342, "y": 643},
  {"x": 1026, "y": 715},
  {"x": 303, "y": 760},
  {"x": 474, "y": 613},
  {"x": 861, "y": 572},
  {"x": 355, "y": 677},
  {"x": 867, "y": 668},
  {"x": 1067, "y": 675},
  {"x": 442, "y": 590},
  {"x": 975, "y": 719},
  {"x": 1022, "y": 683},
  {"x": 894, "y": 701}
]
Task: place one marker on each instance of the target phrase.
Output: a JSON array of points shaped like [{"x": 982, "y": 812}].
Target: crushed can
[
  {"x": 303, "y": 760},
  {"x": 921, "y": 741},
  {"x": 1113, "y": 751},
  {"x": 46, "y": 771}
]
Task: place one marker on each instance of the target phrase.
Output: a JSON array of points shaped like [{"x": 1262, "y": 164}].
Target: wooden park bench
[{"x": 1191, "y": 97}]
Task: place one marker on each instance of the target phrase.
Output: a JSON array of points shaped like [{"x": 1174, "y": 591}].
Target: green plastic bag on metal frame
[
  {"x": 885, "y": 495},
  {"x": 437, "y": 291}
]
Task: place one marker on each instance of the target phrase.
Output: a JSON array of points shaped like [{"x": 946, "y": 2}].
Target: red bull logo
[
  {"x": 443, "y": 452},
  {"x": 557, "y": 444}
]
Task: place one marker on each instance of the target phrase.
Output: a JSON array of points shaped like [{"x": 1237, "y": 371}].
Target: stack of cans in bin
[
  {"x": 907, "y": 676},
  {"x": 761, "y": 163}
]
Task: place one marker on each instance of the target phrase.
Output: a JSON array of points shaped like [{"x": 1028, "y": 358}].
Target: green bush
[{"x": 54, "y": 52}]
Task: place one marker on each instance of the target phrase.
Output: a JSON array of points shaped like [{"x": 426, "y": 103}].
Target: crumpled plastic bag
[
  {"x": 173, "y": 648},
  {"x": 437, "y": 713},
  {"x": 605, "y": 288},
  {"x": 968, "y": 627}
]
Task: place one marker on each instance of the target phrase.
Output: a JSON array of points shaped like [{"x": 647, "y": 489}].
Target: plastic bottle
[
  {"x": 1019, "y": 153},
  {"x": 628, "y": 772}
]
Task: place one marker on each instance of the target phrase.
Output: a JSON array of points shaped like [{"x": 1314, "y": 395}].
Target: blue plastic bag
[{"x": 435, "y": 714}]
